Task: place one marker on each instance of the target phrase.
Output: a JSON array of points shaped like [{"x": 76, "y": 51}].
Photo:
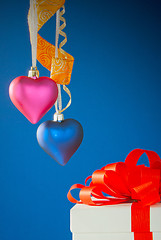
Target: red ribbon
[{"x": 125, "y": 182}]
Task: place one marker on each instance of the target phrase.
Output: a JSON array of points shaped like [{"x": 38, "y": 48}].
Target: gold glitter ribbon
[{"x": 61, "y": 67}]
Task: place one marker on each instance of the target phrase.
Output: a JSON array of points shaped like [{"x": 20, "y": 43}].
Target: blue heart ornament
[{"x": 60, "y": 139}]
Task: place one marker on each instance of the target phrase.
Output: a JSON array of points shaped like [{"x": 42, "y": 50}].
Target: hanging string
[
  {"x": 33, "y": 29},
  {"x": 63, "y": 34},
  {"x": 57, "y": 32},
  {"x": 59, "y": 28},
  {"x": 59, "y": 100}
]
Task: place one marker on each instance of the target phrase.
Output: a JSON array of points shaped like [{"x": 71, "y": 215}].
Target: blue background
[{"x": 116, "y": 96}]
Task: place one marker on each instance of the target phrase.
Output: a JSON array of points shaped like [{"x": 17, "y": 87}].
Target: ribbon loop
[{"x": 133, "y": 157}]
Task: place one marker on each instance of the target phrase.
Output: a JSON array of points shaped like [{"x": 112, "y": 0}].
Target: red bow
[{"x": 123, "y": 182}]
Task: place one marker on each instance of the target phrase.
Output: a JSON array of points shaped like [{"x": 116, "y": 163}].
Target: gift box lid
[{"x": 113, "y": 218}]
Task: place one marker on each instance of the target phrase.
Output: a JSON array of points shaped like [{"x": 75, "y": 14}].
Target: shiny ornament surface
[
  {"x": 33, "y": 97},
  {"x": 60, "y": 139}
]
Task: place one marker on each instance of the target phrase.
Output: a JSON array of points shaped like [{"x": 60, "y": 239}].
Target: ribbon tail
[{"x": 70, "y": 98}]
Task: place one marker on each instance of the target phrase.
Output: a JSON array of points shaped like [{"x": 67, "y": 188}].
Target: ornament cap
[
  {"x": 58, "y": 117},
  {"x": 33, "y": 72}
]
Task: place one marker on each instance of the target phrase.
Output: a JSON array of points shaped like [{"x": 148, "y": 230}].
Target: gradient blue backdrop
[{"x": 116, "y": 95}]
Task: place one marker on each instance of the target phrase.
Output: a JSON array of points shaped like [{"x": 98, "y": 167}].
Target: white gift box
[{"x": 109, "y": 222}]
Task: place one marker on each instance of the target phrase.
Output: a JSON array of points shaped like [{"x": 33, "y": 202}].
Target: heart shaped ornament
[
  {"x": 33, "y": 96},
  {"x": 60, "y": 139}
]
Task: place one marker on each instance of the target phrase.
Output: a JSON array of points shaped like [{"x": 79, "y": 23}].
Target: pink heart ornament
[{"x": 33, "y": 97}]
